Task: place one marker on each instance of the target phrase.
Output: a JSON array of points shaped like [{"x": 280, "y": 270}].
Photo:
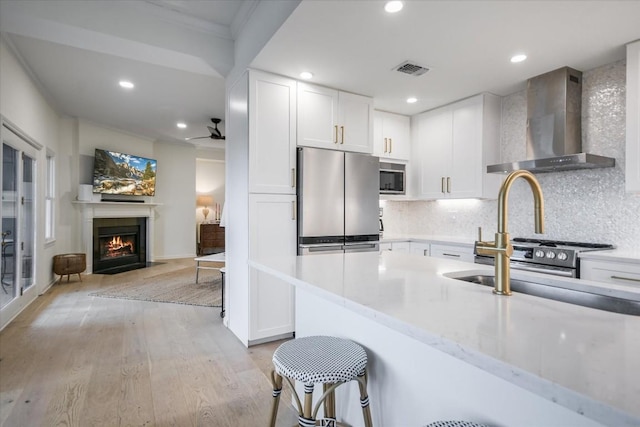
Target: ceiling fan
[{"x": 215, "y": 133}]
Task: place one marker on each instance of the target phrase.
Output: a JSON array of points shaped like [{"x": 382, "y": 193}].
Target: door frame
[{"x": 19, "y": 140}]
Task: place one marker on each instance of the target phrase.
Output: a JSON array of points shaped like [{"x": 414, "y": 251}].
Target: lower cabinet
[
  {"x": 418, "y": 248},
  {"x": 272, "y": 231},
  {"x": 460, "y": 253},
  {"x": 620, "y": 273},
  {"x": 394, "y": 246}
]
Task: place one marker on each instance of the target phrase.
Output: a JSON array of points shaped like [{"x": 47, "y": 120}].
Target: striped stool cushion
[
  {"x": 454, "y": 424},
  {"x": 320, "y": 359}
]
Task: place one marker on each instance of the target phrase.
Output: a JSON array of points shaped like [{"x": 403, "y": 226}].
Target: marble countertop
[
  {"x": 427, "y": 238},
  {"x": 616, "y": 255},
  {"x": 585, "y": 359}
]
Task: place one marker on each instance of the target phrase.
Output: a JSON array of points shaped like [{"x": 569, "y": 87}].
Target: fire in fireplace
[{"x": 119, "y": 244}]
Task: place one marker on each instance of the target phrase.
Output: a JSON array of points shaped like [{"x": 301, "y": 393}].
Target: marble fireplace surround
[{"x": 91, "y": 210}]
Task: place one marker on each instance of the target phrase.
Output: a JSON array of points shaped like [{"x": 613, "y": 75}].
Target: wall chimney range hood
[{"x": 554, "y": 136}]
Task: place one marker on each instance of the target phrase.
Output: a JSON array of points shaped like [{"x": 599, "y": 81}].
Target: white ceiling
[{"x": 178, "y": 52}]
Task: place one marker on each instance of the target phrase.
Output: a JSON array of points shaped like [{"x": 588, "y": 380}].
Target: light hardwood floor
[{"x": 71, "y": 359}]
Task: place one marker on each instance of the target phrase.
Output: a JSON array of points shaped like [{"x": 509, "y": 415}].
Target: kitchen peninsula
[{"x": 440, "y": 348}]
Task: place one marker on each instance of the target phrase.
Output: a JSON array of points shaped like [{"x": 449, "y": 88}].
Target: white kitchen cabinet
[
  {"x": 610, "y": 272},
  {"x": 402, "y": 247},
  {"x": 272, "y": 222},
  {"x": 328, "y": 118},
  {"x": 460, "y": 253},
  {"x": 272, "y": 134},
  {"x": 452, "y": 146},
  {"x": 419, "y": 248},
  {"x": 632, "y": 163},
  {"x": 391, "y": 136}
]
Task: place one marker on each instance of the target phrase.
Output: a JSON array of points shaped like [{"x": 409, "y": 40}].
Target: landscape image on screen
[{"x": 123, "y": 174}]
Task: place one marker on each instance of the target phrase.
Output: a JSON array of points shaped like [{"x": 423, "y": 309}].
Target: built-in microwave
[{"x": 392, "y": 178}]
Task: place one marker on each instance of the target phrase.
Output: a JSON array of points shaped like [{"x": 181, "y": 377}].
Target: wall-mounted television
[{"x": 123, "y": 174}]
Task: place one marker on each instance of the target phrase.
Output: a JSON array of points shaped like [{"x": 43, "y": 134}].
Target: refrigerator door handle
[{"x": 362, "y": 247}]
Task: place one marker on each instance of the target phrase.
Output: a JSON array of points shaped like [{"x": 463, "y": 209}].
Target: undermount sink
[{"x": 628, "y": 304}]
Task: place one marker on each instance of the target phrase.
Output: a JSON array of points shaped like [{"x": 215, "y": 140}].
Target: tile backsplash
[{"x": 587, "y": 205}]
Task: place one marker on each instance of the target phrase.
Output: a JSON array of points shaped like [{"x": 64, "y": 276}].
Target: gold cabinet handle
[
  {"x": 293, "y": 177},
  {"x": 390, "y": 145},
  {"x": 336, "y": 134},
  {"x": 442, "y": 185},
  {"x": 424, "y": 252},
  {"x": 385, "y": 145},
  {"x": 448, "y": 184},
  {"x": 342, "y": 134},
  {"x": 631, "y": 279},
  {"x": 293, "y": 210}
]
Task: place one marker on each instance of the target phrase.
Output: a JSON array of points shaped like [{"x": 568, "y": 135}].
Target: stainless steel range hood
[{"x": 554, "y": 137}]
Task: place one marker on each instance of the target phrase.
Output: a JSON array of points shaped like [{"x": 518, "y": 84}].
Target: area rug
[{"x": 177, "y": 287}]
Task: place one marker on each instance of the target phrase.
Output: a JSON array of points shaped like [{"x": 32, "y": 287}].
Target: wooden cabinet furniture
[
  {"x": 328, "y": 118},
  {"x": 391, "y": 136},
  {"x": 211, "y": 239},
  {"x": 632, "y": 162},
  {"x": 451, "y": 149},
  {"x": 621, "y": 273}
]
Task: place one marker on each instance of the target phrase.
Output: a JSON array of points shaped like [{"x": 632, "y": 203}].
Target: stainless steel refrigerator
[{"x": 338, "y": 196}]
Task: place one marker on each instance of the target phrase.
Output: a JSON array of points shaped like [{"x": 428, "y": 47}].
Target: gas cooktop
[{"x": 576, "y": 246}]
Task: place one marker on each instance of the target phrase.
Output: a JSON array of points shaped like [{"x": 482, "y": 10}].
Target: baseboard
[
  {"x": 273, "y": 338},
  {"x": 160, "y": 258}
]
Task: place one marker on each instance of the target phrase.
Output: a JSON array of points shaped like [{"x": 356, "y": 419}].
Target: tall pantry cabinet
[{"x": 267, "y": 104}]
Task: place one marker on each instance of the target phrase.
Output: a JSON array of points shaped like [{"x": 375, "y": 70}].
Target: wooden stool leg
[
  {"x": 306, "y": 419},
  {"x": 276, "y": 380},
  {"x": 80, "y": 277},
  {"x": 329, "y": 403},
  {"x": 364, "y": 399}
]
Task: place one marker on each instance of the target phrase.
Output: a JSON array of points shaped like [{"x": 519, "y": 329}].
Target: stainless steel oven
[
  {"x": 392, "y": 178},
  {"x": 558, "y": 258}
]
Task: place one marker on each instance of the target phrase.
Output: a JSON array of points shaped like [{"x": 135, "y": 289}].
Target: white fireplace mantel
[{"x": 91, "y": 210}]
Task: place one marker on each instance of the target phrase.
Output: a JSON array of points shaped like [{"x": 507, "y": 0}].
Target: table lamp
[{"x": 204, "y": 201}]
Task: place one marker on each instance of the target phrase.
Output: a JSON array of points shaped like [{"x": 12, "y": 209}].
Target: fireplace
[{"x": 119, "y": 244}]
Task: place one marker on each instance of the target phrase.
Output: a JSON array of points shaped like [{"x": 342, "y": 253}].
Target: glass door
[
  {"x": 18, "y": 223},
  {"x": 27, "y": 221},
  {"x": 9, "y": 221}
]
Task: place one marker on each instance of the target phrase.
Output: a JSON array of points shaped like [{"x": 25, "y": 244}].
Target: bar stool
[
  {"x": 329, "y": 361},
  {"x": 455, "y": 424}
]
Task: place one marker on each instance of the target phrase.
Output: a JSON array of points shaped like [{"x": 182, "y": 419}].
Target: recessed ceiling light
[
  {"x": 393, "y": 6},
  {"x": 518, "y": 58},
  {"x": 126, "y": 84},
  {"x": 306, "y": 75},
  {"x": 181, "y": 125},
  {"x": 412, "y": 100}
]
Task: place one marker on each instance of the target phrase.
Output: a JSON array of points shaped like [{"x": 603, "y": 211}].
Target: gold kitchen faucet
[{"x": 501, "y": 249}]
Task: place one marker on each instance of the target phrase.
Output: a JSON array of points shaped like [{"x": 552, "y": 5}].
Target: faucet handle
[{"x": 479, "y": 234}]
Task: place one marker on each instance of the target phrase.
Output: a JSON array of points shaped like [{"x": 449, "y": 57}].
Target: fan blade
[{"x": 197, "y": 137}]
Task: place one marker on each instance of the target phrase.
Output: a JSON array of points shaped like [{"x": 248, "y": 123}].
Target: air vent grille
[{"x": 408, "y": 67}]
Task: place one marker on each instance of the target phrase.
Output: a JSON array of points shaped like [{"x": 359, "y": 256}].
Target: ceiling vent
[{"x": 408, "y": 67}]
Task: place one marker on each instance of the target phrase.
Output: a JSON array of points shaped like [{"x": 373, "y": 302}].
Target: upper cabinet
[
  {"x": 272, "y": 134},
  {"x": 391, "y": 136},
  {"x": 452, "y": 146},
  {"x": 328, "y": 118},
  {"x": 632, "y": 163}
]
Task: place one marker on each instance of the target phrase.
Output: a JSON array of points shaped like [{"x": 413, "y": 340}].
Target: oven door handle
[
  {"x": 546, "y": 269},
  {"x": 525, "y": 266}
]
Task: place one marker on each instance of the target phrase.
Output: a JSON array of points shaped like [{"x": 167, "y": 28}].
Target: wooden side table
[
  {"x": 68, "y": 264},
  {"x": 211, "y": 239}
]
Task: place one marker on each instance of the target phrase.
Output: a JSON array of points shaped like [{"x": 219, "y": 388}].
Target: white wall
[
  {"x": 175, "y": 228},
  {"x": 22, "y": 105},
  {"x": 210, "y": 180},
  {"x": 588, "y": 205}
]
